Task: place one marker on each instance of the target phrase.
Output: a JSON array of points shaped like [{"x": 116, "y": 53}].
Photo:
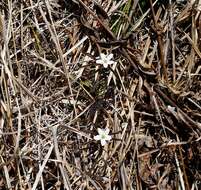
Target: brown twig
[{"x": 160, "y": 43}]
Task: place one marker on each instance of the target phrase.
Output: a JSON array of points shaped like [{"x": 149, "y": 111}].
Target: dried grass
[{"x": 53, "y": 96}]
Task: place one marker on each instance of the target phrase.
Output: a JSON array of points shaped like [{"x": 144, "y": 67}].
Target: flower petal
[
  {"x": 108, "y": 138},
  {"x": 107, "y": 130},
  {"x": 99, "y": 61},
  {"x": 170, "y": 108},
  {"x": 105, "y": 64},
  {"x": 100, "y": 131},
  {"x": 103, "y": 56},
  {"x": 103, "y": 142},
  {"x": 110, "y": 62},
  {"x": 97, "y": 137},
  {"x": 110, "y": 56}
]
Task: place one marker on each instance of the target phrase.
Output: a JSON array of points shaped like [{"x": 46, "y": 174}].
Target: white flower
[
  {"x": 124, "y": 125},
  {"x": 171, "y": 109},
  {"x": 103, "y": 136},
  {"x": 105, "y": 60}
]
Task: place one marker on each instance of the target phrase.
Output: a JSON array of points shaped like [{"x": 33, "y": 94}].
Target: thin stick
[
  {"x": 159, "y": 39},
  {"x": 39, "y": 174}
]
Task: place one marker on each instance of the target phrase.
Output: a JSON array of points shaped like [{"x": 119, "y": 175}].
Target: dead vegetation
[{"x": 54, "y": 97}]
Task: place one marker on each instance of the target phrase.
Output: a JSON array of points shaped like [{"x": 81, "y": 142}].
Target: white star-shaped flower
[
  {"x": 105, "y": 60},
  {"x": 103, "y": 136},
  {"x": 171, "y": 109}
]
